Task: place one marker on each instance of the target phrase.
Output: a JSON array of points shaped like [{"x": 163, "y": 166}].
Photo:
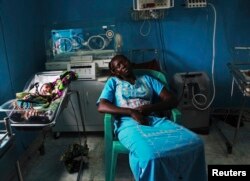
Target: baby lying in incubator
[{"x": 39, "y": 106}]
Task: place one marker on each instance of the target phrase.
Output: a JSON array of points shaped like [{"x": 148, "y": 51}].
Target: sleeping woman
[{"x": 160, "y": 150}]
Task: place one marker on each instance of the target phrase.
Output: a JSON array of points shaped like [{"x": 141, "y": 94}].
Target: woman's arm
[
  {"x": 168, "y": 101},
  {"x": 106, "y": 106}
]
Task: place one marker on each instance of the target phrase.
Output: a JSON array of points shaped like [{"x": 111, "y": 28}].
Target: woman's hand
[
  {"x": 106, "y": 106},
  {"x": 144, "y": 109},
  {"x": 136, "y": 115}
]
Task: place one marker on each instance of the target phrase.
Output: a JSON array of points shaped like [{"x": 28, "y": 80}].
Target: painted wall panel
[
  {"x": 22, "y": 54},
  {"x": 23, "y": 25}
]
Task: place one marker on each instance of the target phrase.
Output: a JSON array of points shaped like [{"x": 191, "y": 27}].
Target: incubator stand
[
  {"x": 7, "y": 148},
  {"x": 241, "y": 76},
  {"x": 6, "y": 136}
]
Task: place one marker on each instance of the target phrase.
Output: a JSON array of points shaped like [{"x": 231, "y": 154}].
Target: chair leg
[
  {"x": 108, "y": 160},
  {"x": 113, "y": 164}
]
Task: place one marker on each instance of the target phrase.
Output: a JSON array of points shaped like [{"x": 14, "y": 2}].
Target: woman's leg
[{"x": 163, "y": 151}]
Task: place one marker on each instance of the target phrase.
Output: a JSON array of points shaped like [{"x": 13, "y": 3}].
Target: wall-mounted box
[
  {"x": 196, "y": 3},
  {"x": 152, "y": 4}
]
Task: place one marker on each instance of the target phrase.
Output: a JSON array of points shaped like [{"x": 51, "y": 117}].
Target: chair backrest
[{"x": 156, "y": 74}]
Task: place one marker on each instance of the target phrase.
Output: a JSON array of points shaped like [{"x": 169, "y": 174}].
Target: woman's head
[{"x": 120, "y": 66}]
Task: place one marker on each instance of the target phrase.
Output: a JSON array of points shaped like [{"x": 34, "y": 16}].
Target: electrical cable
[
  {"x": 149, "y": 28},
  {"x": 232, "y": 88},
  {"x": 79, "y": 176},
  {"x": 162, "y": 40},
  {"x": 77, "y": 125},
  {"x": 194, "y": 100}
]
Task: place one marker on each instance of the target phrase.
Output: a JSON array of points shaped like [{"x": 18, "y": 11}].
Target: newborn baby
[{"x": 55, "y": 89}]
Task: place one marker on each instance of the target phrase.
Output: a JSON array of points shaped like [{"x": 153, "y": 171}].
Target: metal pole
[
  {"x": 238, "y": 123},
  {"x": 8, "y": 127},
  {"x": 20, "y": 176}
]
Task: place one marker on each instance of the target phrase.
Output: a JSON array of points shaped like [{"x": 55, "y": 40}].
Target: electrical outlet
[{"x": 196, "y": 3}]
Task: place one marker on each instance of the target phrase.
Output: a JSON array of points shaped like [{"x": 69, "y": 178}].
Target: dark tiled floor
[{"x": 48, "y": 167}]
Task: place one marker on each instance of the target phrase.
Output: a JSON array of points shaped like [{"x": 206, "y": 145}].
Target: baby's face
[{"x": 46, "y": 89}]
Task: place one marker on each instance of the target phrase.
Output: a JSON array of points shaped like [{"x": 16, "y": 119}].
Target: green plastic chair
[{"x": 113, "y": 147}]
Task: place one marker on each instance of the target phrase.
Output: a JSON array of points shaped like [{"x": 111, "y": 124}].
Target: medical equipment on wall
[
  {"x": 195, "y": 3},
  {"x": 85, "y": 70},
  {"x": 148, "y": 14},
  {"x": 152, "y": 4},
  {"x": 150, "y": 9},
  {"x": 193, "y": 89}
]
